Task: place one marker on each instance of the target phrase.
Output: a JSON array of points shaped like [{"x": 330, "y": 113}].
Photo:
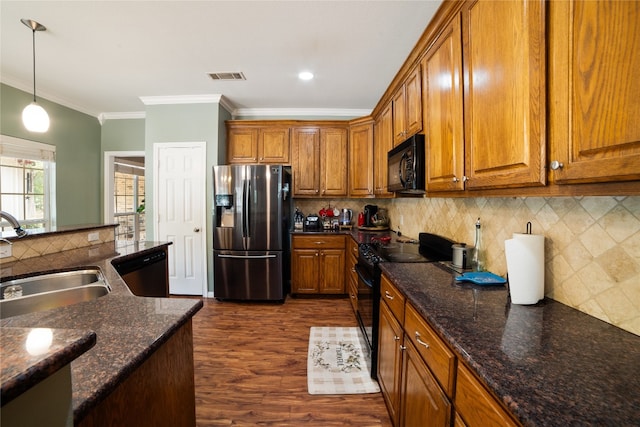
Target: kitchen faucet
[{"x": 20, "y": 232}]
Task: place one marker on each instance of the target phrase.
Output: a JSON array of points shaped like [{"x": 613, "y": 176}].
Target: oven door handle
[{"x": 367, "y": 281}]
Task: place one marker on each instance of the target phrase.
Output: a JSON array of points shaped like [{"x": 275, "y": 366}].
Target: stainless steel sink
[{"x": 47, "y": 291}]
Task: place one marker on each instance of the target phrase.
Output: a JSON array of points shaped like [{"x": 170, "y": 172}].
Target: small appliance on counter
[
  {"x": 298, "y": 220},
  {"x": 312, "y": 223}
]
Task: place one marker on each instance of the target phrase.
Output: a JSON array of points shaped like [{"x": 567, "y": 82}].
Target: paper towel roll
[{"x": 525, "y": 265}]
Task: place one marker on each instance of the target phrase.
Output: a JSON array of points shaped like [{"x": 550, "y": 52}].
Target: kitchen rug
[{"x": 336, "y": 363}]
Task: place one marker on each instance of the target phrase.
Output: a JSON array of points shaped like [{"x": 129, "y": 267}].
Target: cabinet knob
[
  {"x": 397, "y": 338},
  {"x": 465, "y": 178},
  {"x": 455, "y": 179},
  {"x": 403, "y": 348},
  {"x": 555, "y": 165},
  {"x": 196, "y": 230}
]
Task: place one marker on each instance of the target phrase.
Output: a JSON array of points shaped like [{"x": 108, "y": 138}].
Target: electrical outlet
[
  {"x": 94, "y": 236},
  {"x": 5, "y": 251}
]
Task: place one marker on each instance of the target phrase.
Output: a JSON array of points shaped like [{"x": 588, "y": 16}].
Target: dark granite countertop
[
  {"x": 128, "y": 329},
  {"x": 30, "y": 355},
  {"x": 550, "y": 364}
]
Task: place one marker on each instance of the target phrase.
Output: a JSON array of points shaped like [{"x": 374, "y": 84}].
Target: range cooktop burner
[{"x": 404, "y": 257}]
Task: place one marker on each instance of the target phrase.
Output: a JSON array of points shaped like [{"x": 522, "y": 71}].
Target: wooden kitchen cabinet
[
  {"x": 407, "y": 108},
  {"x": 416, "y": 370},
  {"x": 476, "y": 405},
  {"x": 443, "y": 111},
  {"x": 594, "y": 91},
  {"x": 318, "y": 264},
  {"x": 390, "y": 344},
  {"x": 382, "y": 144},
  {"x": 361, "y": 158},
  {"x": 319, "y": 161},
  {"x": 436, "y": 354},
  {"x": 242, "y": 145},
  {"x": 423, "y": 403},
  {"x": 261, "y": 142},
  {"x": 504, "y": 93}
]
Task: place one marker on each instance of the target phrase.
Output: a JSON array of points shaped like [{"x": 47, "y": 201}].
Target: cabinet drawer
[
  {"x": 476, "y": 404},
  {"x": 317, "y": 241},
  {"x": 434, "y": 351},
  {"x": 353, "y": 248},
  {"x": 393, "y": 298}
]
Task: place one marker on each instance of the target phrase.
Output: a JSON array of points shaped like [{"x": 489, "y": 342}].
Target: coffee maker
[{"x": 370, "y": 212}]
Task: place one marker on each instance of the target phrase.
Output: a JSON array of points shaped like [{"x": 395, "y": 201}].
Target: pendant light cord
[{"x": 33, "y": 31}]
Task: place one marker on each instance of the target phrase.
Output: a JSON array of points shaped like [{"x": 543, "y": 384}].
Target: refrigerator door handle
[
  {"x": 246, "y": 256},
  {"x": 244, "y": 213},
  {"x": 247, "y": 208}
]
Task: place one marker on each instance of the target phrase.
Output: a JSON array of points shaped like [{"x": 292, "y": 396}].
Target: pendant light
[{"x": 34, "y": 117}]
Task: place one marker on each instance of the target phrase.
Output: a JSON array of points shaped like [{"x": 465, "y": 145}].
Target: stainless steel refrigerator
[{"x": 252, "y": 217}]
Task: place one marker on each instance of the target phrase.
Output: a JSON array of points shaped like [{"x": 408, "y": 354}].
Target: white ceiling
[{"x": 102, "y": 56}]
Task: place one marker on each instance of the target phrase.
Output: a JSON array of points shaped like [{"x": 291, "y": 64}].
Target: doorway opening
[{"x": 125, "y": 194}]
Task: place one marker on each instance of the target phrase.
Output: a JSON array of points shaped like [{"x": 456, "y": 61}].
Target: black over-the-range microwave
[{"x": 406, "y": 166}]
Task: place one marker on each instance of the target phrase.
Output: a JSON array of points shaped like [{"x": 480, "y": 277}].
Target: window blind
[{"x": 25, "y": 149}]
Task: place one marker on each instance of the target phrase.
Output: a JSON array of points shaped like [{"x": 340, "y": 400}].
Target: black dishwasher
[{"x": 146, "y": 275}]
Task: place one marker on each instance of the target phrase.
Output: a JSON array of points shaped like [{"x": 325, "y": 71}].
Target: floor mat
[{"x": 336, "y": 363}]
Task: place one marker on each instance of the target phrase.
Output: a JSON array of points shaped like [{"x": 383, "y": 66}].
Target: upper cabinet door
[
  {"x": 443, "y": 111},
  {"x": 333, "y": 161},
  {"x": 595, "y": 91},
  {"x": 407, "y": 108},
  {"x": 413, "y": 90},
  {"x": 382, "y": 144},
  {"x": 306, "y": 161},
  {"x": 273, "y": 145},
  {"x": 242, "y": 145},
  {"x": 504, "y": 93},
  {"x": 361, "y": 159}
]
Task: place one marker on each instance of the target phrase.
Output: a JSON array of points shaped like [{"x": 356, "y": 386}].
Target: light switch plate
[{"x": 5, "y": 251}]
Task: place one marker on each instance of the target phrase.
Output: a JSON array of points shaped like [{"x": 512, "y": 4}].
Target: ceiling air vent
[{"x": 227, "y": 76}]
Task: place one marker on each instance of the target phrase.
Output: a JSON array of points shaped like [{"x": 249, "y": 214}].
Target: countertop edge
[
  {"x": 82, "y": 410},
  {"x": 46, "y": 366}
]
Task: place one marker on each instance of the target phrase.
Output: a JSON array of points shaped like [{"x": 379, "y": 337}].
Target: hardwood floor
[{"x": 251, "y": 363}]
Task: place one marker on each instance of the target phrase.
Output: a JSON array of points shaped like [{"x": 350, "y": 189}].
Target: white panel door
[{"x": 180, "y": 202}]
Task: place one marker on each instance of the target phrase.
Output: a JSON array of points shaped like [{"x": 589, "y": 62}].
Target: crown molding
[
  {"x": 121, "y": 115},
  {"x": 294, "y": 112},
  {"x": 181, "y": 99}
]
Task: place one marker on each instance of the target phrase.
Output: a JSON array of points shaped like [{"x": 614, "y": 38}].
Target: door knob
[{"x": 196, "y": 230}]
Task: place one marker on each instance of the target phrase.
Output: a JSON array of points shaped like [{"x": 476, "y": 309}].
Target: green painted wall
[
  {"x": 76, "y": 137},
  {"x": 186, "y": 123},
  {"x": 123, "y": 135}
]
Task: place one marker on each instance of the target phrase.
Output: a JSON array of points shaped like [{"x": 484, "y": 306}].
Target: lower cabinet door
[
  {"x": 305, "y": 271},
  {"x": 390, "y": 360},
  {"x": 423, "y": 402}
]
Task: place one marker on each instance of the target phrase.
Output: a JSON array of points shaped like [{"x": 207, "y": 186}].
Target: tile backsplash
[
  {"x": 592, "y": 244},
  {"x": 49, "y": 243}
]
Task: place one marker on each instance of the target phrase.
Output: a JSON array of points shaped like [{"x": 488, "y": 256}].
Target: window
[
  {"x": 27, "y": 177},
  {"x": 128, "y": 198}
]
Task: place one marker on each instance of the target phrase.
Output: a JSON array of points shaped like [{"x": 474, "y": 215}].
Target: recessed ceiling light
[{"x": 305, "y": 75}]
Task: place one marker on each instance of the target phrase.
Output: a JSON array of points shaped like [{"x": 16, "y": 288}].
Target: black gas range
[{"x": 428, "y": 248}]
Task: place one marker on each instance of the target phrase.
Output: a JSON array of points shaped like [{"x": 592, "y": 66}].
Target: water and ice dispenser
[{"x": 224, "y": 210}]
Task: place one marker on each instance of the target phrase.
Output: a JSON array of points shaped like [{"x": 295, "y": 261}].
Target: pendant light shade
[{"x": 34, "y": 117}]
